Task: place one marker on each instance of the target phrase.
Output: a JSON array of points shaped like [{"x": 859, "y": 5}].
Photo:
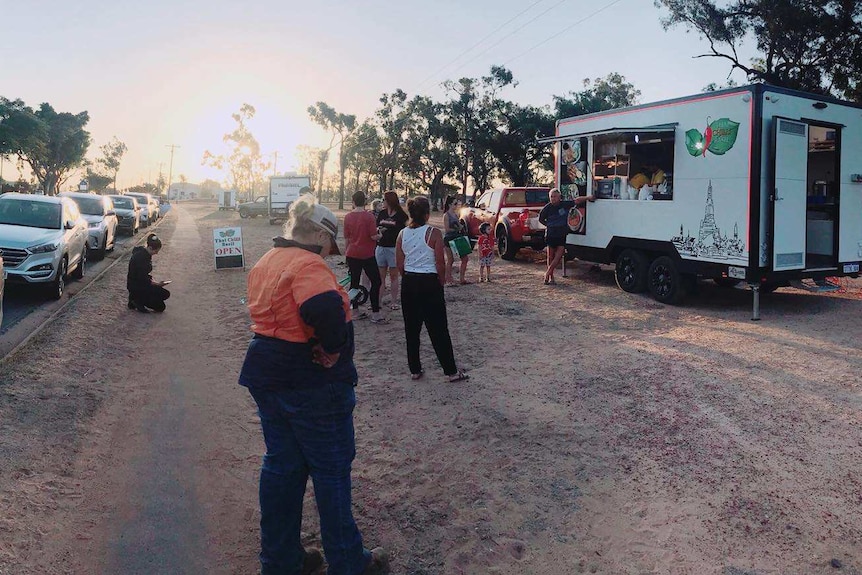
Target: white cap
[{"x": 323, "y": 218}]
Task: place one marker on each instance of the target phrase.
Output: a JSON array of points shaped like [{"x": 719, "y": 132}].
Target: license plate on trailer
[
  {"x": 736, "y": 273},
  {"x": 851, "y": 268}
]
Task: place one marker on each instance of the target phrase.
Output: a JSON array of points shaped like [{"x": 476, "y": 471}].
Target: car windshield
[
  {"x": 29, "y": 213},
  {"x": 91, "y": 206},
  {"x": 527, "y": 197},
  {"x": 120, "y": 202}
]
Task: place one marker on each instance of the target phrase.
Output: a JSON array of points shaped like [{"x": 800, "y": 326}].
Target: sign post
[{"x": 227, "y": 248}]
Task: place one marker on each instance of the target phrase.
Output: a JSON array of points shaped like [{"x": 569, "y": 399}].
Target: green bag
[{"x": 461, "y": 246}]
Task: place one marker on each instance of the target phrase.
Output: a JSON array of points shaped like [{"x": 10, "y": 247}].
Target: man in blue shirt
[{"x": 555, "y": 217}]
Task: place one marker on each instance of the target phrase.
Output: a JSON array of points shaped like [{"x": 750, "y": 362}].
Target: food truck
[{"x": 754, "y": 184}]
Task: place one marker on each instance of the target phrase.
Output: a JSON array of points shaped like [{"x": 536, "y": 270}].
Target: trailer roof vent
[
  {"x": 794, "y": 128},
  {"x": 820, "y": 105}
]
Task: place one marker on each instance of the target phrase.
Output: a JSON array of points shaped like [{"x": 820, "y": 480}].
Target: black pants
[
  {"x": 152, "y": 297},
  {"x": 369, "y": 266},
  {"x": 422, "y": 302}
]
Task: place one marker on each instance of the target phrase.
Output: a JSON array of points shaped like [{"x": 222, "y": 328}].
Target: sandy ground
[{"x": 600, "y": 432}]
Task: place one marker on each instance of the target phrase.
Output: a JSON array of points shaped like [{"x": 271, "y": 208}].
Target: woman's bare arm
[
  {"x": 436, "y": 243},
  {"x": 399, "y": 255}
]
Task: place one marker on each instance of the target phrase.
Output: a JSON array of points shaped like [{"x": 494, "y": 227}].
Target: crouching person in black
[{"x": 144, "y": 293}]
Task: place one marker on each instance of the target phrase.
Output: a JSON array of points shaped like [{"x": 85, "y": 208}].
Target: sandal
[
  {"x": 552, "y": 282},
  {"x": 417, "y": 376},
  {"x": 395, "y": 307},
  {"x": 360, "y": 315},
  {"x": 459, "y": 376}
]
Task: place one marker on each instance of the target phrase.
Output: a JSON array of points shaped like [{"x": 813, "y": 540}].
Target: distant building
[{"x": 184, "y": 191}]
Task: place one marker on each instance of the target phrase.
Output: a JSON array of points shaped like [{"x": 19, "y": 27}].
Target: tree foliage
[
  {"x": 53, "y": 144},
  {"x": 112, "y": 157},
  {"x": 815, "y": 46},
  {"x": 245, "y": 166},
  {"x": 419, "y": 145},
  {"x": 340, "y": 126},
  {"x": 601, "y": 94}
]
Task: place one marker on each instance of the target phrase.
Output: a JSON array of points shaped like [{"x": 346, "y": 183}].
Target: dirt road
[{"x": 599, "y": 433}]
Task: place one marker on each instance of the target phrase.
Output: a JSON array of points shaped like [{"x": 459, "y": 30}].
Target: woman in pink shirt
[{"x": 361, "y": 235}]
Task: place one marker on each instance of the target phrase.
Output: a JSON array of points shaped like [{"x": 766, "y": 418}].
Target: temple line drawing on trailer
[{"x": 710, "y": 242}]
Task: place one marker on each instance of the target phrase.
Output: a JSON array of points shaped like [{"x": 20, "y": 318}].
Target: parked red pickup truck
[{"x": 514, "y": 217}]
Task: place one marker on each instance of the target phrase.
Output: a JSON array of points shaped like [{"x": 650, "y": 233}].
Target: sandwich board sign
[{"x": 227, "y": 248}]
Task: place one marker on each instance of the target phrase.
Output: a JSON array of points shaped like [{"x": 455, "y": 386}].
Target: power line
[
  {"x": 501, "y": 40},
  {"x": 545, "y": 41},
  {"x": 563, "y": 31},
  {"x": 491, "y": 33}
]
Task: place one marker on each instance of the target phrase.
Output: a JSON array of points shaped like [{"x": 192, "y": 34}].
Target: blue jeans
[{"x": 308, "y": 430}]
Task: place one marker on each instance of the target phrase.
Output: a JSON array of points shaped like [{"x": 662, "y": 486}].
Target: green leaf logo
[
  {"x": 720, "y": 136},
  {"x": 724, "y": 133},
  {"x": 694, "y": 142}
]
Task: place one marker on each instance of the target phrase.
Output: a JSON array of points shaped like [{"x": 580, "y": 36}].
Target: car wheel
[
  {"x": 243, "y": 214},
  {"x": 82, "y": 264},
  {"x": 505, "y": 246},
  {"x": 100, "y": 253},
  {"x": 665, "y": 282},
  {"x": 58, "y": 286},
  {"x": 631, "y": 271}
]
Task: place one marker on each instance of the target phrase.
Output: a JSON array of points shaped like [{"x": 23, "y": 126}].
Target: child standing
[{"x": 485, "y": 247}]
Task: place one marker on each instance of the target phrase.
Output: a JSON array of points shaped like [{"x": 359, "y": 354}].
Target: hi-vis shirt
[{"x": 284, "y": 279}]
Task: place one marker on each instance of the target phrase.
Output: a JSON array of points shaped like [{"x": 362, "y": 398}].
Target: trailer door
[{"x": 789, "y": 196}]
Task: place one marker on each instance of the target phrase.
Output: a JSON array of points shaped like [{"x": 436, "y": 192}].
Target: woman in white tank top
[{"x": 419, "y": 257}]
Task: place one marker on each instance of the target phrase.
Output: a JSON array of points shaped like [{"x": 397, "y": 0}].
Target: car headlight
[{"x": 44, "y": 248}]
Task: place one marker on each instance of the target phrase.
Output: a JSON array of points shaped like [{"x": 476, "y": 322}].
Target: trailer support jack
[{"x": 755, "y": 312}]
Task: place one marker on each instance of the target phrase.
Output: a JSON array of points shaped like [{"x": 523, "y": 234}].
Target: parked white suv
[
  {"x": 101, "y": 218},
  {"x": 42, "y": 239}
]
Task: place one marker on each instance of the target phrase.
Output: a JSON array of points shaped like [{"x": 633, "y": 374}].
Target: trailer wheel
[
  {"x": 505, "y": 245},
  {"x": 631, "y": 271},
  {"x": 665, "y": 282}
]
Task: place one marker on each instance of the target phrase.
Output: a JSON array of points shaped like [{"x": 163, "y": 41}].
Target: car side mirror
[{"x": 70, "y": 225}]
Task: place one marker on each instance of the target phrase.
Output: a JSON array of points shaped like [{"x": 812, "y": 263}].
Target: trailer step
[{"x": 816, "y": 286}]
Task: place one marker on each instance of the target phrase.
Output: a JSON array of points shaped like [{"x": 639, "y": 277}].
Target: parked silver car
[
  {"x": 102, "y": 219},
  {"x": 148, "y": 208},
  {"x": 42, "y": 239},
  {"x": 128, "y": 213},
  {"x": 2, "y": 283}
]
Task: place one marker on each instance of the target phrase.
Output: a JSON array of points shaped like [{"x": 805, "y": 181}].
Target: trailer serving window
[{"x": 633, "y": 165}]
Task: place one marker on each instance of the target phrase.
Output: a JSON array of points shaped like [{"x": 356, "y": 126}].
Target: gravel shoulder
[{"x": 600, "y": 432}]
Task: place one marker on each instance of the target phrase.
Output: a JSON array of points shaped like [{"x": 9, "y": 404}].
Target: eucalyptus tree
[
  {"x": 815, "y": 46},
  {"x": 340, "y": 127},
  {"x": 245, "y": 166}
]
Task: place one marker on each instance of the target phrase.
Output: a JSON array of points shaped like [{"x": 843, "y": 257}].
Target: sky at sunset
[{"x": 172, "y": 71}]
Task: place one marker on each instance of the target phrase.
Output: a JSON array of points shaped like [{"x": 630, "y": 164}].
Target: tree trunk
[{"x": 341, "y": 177}]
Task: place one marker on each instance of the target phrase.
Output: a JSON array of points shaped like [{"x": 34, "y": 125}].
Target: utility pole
[{"x": 171, "y": 171}]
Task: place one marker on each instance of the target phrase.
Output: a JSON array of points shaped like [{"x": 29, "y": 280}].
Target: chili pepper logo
[{"x": 719, "y": 137}]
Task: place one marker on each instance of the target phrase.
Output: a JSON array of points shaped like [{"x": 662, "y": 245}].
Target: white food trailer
[
  {"x": 283, "y": 191},
  {"x": 755, "y": 184},
  {"x": 226, "y": 199}
]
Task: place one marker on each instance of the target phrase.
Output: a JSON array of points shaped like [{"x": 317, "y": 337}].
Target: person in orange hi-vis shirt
[{"x": 299, "y": 370}]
